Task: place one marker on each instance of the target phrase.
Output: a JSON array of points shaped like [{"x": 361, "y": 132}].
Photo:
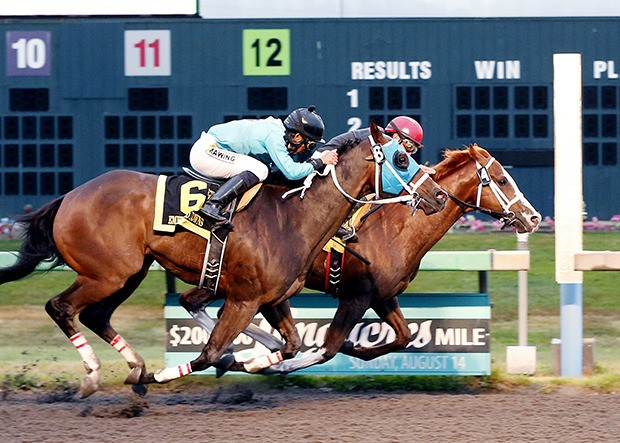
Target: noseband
[{"x": 506, "y": 216}]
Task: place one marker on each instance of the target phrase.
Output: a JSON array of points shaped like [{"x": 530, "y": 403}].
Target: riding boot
[{"x": 227, "y": 192}]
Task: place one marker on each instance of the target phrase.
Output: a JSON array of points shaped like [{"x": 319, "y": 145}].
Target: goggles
[
  {"x": 290, "y": 138},
  {"x": 410, "y": 146}
]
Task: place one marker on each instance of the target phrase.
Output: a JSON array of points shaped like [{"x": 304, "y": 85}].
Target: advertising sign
[{"x": 450, "y": 333}]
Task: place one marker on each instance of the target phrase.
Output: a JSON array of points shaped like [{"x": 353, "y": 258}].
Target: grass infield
[{"x": 33, "y": 351}]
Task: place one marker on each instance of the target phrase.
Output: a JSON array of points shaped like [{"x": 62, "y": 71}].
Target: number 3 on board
[{"x": 266, "y": 52}]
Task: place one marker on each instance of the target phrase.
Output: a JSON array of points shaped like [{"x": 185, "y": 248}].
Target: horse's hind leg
[
  {"x": 63, "y": 308},
  {"x": 97, "y": 318}
]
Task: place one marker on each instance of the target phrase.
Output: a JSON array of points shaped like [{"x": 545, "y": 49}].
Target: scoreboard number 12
[{"x": 266, "y": 52}]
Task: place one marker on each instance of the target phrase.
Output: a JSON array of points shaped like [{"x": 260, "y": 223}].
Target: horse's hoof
[
  {"x": 135, "y": 376},
  {"x": 140, "y": 389},
  {"x": 347, "y": 347},
  {"x": 222, "y": 366},
  {"x": 149, "y": 378},
  {"x": 88, "y": 387}
]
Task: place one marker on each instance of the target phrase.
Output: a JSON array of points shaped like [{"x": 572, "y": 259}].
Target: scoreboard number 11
[{"x": 147, "y": 53}]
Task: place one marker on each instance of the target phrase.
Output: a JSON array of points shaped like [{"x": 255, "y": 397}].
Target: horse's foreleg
[
  {"x": 235, "y": 317},
  {"x": 195, "y": 301},
  {"x": 389, "y": 311},
  {"x": 281, "y": 318}
]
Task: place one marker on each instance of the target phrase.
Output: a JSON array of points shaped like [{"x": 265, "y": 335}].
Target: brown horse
[
  {"x": 395, "y": 241},
  {"x": 103, "y": 231}
]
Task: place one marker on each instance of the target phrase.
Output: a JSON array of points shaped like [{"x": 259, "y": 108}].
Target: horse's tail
[{"x": 38, "y": 244}]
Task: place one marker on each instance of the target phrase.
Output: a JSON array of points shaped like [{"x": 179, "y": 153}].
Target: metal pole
[
  {"x": 170, "y": 284},
  {"x": 483, "y": 282}
]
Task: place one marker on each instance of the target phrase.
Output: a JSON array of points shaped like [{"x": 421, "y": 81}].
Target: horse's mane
[{"x": 454, "y": 159}]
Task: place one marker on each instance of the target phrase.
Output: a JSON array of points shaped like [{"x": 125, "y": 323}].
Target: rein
[
  {"x": 413, "y": 196},
  {"x": 412, "y": 199},
  {"x": 507, "y": 217}
]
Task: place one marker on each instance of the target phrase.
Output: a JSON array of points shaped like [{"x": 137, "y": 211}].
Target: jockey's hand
[{"x": 329, "y": 157}]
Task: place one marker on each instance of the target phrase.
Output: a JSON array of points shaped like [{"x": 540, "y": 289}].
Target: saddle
[{"x": 177, "y": 202}]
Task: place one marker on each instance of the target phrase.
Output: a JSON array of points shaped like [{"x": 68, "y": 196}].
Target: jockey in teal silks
[{"x": 246, "y": 151}]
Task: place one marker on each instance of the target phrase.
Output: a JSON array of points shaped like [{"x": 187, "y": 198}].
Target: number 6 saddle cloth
[{"x": 177, "y": 202}]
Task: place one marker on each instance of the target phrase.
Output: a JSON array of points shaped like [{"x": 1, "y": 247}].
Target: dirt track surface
[{"x": 301, "y": 415}]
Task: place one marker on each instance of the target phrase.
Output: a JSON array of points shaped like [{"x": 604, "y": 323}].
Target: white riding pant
[{"x": 211, "y": 160}]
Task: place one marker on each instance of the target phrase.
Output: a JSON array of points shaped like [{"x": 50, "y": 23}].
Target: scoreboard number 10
[{"x": 28, "y": 53}]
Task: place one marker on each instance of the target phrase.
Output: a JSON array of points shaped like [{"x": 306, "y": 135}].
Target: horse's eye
[{"x": 503, "y": 182}]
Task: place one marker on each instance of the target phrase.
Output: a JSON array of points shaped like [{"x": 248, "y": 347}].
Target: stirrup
[
  {"x": 216, "y": 218},
  {"x": 347, "y": 235},
  {"x": 212, "y": 212}
]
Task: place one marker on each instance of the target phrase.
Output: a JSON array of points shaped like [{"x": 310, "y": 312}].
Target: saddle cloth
[{"x": 177, "y": 197}]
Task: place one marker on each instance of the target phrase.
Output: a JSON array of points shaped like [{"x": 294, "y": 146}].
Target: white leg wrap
[
  {"x": 124, "y": 349},
  {"x": 168, "y": 374},
  {"x": 262, "y": 362},
  {"x": 86, "y": 352}
]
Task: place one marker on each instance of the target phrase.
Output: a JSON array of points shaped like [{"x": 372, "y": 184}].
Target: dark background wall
[{"x": 83, "y": 96}]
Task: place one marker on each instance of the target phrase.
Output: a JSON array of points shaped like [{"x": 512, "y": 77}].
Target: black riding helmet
[{"x": 306, "y": 122}]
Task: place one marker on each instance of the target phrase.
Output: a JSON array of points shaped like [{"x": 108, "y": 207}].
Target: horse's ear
[
  {"x": 375, "y": 131},
  {"x": 472, "y": 151},
  {"x": 477, "y": 153}
]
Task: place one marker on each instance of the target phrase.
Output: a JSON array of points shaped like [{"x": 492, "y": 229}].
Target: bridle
[{"x": 506, "y": 216}]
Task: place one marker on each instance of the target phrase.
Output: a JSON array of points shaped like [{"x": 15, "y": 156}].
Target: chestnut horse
[
  {"x": 103, "y": 230},
  {"x": 395, "y": 241}
]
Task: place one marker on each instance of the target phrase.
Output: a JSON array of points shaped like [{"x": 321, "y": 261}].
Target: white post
[
  {"x": 521, "y": 359},
  {"x": 522, "y": 285},
  {"x": 568, "y": 207}
]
